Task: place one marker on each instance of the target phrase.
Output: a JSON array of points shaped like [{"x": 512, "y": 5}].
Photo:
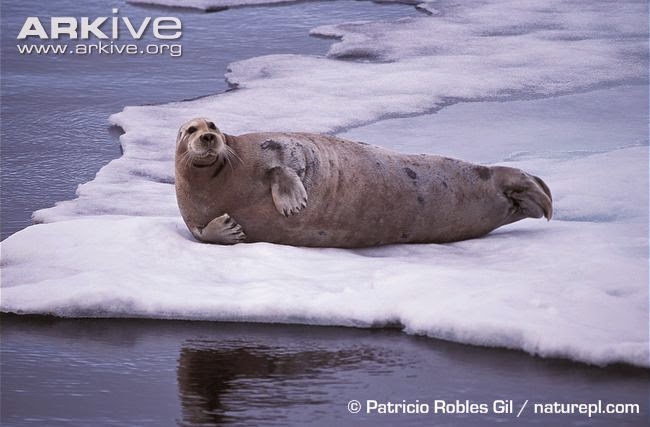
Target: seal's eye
[
  {"x": 212, "y": 126},
  {"x": 191, "y": 130}
]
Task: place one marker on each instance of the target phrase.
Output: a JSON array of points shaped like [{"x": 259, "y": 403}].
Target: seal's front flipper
[
  {"x": 288, "y": 191},
  {"x": 222, "y": 230}
]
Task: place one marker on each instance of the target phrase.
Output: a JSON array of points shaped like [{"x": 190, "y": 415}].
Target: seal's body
[{"x": 317, "y": 190}]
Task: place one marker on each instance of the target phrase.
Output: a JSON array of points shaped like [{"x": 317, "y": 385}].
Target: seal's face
[{"x": 201, "y": 144}]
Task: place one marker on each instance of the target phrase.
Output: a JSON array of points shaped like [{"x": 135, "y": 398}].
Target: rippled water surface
[
  {"x": 147, "y": 372},
  {"x": 55, "y": 134}
]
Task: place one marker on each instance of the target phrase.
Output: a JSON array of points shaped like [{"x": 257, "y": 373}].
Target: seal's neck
[{"x": 231, "y": 141}]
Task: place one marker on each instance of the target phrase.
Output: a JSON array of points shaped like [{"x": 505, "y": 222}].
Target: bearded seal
[{"x": 317, "y": 190}]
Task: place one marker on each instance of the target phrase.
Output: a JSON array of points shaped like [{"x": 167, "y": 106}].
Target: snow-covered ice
[
  {"x": 216, "y": 5},
  {"x": 559, "y": 289},
  {"x": 516, "y": 35},
  {"x": 583, "y": 123},
  {"x": 210, "y": 5},
  {"x": 576, "y": 287}
]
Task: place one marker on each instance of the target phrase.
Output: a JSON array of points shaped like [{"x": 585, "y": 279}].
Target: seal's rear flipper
[
  {"x": 288, "y": 191},
  {"x": 222, "y": 230},
  {"x": 529, "y": 195}
]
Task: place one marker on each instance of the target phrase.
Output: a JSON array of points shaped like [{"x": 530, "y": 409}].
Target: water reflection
[{"x": 212, "y": 374}]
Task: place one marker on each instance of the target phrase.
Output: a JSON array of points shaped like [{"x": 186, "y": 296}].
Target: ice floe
[
  {"x": 560, "y": 289},
  {"x": 575, "y": 287},
  {"x": 210, "y": 5}
]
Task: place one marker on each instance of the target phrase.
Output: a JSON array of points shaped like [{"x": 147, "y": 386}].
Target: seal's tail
[
  {"x": 547, "y": 206},
  {"x": 529, "y": 194}
]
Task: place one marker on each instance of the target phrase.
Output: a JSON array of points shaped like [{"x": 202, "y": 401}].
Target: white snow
[
  {"x": 210, "y": 4},
  {"x": 583, "y": 123},
  {"x": 514, "y": 34},
  {"x": 576, "y": 287},
  {"x": 559, "y": 289}
]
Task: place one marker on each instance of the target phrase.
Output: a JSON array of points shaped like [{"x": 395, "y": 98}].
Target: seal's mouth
[
  {"x": 205, "y": 165},
  {"x": 205, "y": 159}
]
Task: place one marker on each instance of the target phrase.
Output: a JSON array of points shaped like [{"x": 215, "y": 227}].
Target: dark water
[
  {"x": 159, "y": 373},
  {"x": 54, "y": 129}
]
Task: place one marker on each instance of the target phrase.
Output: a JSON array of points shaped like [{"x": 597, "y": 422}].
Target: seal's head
[{"x": 201, "y": 144}]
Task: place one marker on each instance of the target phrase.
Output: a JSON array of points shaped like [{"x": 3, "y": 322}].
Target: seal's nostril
[{"x": 207, "y": 138}]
